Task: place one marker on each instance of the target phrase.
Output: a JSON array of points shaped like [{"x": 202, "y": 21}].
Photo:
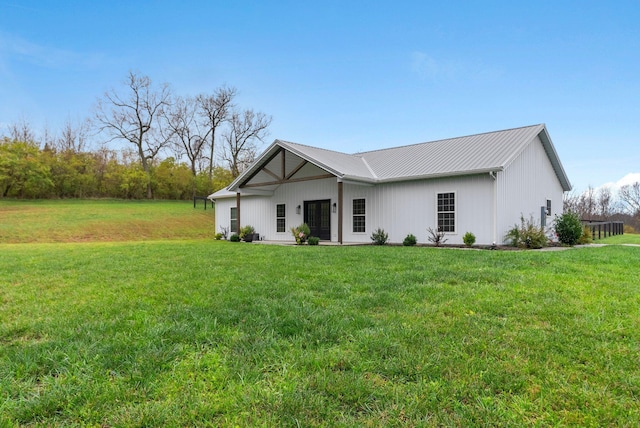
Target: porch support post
[
  {"x": 238, "y": 211},
  {"x": 340, "y": 197}
]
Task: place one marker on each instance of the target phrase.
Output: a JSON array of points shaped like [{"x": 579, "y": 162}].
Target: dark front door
[{"x": 317, "y": 215}]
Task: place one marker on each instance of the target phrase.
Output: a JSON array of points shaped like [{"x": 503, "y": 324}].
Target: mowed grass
[
  {"x": 627, "y": 238},
  {"x": 209, "y": 333},
  {"x": 23, "y": 221}
]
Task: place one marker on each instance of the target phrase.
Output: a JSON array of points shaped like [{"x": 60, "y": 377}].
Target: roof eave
[
  {"x": 255, "y": 165},
  {"x": 555, "y": 159},
  {"x": 442, "y": 175}
]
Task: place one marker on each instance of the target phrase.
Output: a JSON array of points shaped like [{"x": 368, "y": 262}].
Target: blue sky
[{"x": 349, "y": 75}]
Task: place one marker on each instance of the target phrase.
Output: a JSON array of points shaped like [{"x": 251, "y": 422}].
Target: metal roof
[
  {"x": 455, "y": 156},
  {"x": 491, "y": 151}
]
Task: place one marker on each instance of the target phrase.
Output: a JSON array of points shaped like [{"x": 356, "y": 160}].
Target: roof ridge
[
  {"x": 317, "y": 148},
  {"x": 447, "y": 139}
]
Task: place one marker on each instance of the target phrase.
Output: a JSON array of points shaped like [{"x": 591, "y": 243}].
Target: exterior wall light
[
  {"x": 298, "y": 209},
  {"x": 335, "y": 207}
]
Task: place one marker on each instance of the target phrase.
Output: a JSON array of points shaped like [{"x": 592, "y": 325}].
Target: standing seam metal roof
[{"x": 491, "y": 151}]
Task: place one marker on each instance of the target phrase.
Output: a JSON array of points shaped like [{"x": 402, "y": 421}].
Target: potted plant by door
[{"x": 246, "y": 233}]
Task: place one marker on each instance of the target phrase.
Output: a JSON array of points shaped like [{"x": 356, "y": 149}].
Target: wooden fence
[
  {"x": 202, "y": 198},
  {"x": 602, "y": 229}
]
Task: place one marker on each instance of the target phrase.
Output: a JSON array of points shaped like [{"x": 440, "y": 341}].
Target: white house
[{"x": 480, "y": 183}]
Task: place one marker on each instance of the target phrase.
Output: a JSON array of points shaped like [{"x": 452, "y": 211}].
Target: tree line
[
  {"x": 604, "y": 205},
  {"x": 171, "y": 147}
]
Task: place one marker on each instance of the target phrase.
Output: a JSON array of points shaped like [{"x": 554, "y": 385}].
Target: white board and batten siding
[
  {"x": 524, "y": 186},
  {"x": 408, "y": 207},
  {"x": 398, "y": 208}
]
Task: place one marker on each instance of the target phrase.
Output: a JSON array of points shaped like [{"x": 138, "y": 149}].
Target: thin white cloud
[
  {"x": 430, "y": 68},
  {"x": 17, "y": 48}
]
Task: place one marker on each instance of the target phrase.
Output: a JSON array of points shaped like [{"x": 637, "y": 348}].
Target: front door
[{"x": 317, "y": 215}]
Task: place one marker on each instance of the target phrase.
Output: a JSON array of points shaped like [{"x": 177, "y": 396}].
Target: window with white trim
[
  {"x": 446, "y": 210},
  {"x": 281, "y": 219},
  {"x": 233, "y": 216},
  {"x": 359, "y": 214}
]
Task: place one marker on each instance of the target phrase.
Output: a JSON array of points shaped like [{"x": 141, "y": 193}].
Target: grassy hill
[{"x": 102, "y": 220}]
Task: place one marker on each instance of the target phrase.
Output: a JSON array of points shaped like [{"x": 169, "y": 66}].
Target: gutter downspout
[
  {"x": 494, "y": 175},
  {"x": 237, "y": 212},
  {"x": 340, "y": 200}
]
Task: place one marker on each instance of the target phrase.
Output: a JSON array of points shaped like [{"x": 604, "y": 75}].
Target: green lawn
[
  {"x": 627, "y": 238},
  {"x": 202, "y": 332}
]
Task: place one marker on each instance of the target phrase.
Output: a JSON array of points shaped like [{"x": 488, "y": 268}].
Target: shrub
[
  {"x": 527, "y": 235},
  {"x": 568, "y": 228},
  {"x": 586, "y": 237},
  {"x": 234, "y": 237},
  {"x": 313, "y": 240},
  {"x": 410, "y": 240},
  {"x": 246, "y": 230},
  {"x": 469, "y": 239},
  {"x": 224, "y": 231},
  {"x": 301, "y": 233},
  {"x": 379, "y": 237},
  {"x": 436, "y": 237},
  {"x": 218, "y": 236}
]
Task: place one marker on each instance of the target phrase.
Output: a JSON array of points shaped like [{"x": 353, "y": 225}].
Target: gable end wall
[{"x": 524, "y": 186}]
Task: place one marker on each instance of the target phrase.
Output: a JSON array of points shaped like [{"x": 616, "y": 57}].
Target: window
[
  {"x": 280, "y": 218},
  {"x": 447, "y": 212},
  {"x": 234, "y": 219},
  {"x": 548, "y": 207},
  {"x": 359, "y": 216}
]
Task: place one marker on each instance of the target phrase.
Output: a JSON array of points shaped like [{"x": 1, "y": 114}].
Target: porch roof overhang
[{"x": 284, "y": 162}]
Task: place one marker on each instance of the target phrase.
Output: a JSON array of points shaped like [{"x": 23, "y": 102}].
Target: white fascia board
[
  {"x": 252, "y": 191},
  {"x": 442, "y": 175},
  {"x": 357, "y": 182}
]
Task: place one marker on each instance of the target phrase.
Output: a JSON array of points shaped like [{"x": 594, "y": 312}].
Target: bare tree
[
  {"x": 74, "y": 138},
  {"x": 629, "y": 196},
  {"x": 21, "y": 131},
  {"x": 245, "y": 129},
  {"x": 571, "y": 202},
  {"x": 605, "y": 203},
  {"x": 186, "y": 130},
  {"x": 215, "y": 109},
  {"x": 134, "y": 116},
  {"x": 587, "y": 204}
]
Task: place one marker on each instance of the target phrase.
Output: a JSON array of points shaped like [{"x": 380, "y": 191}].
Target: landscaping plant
[
  {"x": 568, "y": 228},
  {"x": 586, "y": 237},
  {"x": 527, "y": 235},
  {"x": 410, "y": 240},
  {"x": 246, "y": 232},
  {"x": 436, "y": 237},
  {"x": 301, "y": 233},
  {"x": 379, "y": 237},
  {"x": 469, "y": 239}
]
